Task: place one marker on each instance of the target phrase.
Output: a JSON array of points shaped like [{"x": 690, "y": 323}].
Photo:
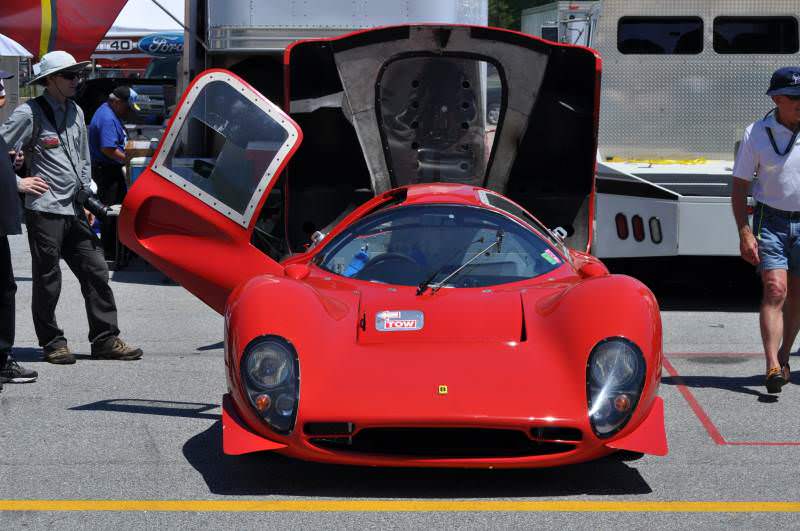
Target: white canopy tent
[
  {"x": 11, "y": 48},
  {"x": 140, "y": 17}
]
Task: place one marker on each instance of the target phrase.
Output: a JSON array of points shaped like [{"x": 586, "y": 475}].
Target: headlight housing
[
  {"x": 614, "y": 381},
  {"x": 271, "y": 375}
]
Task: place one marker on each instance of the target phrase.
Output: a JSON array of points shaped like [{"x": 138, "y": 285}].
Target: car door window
[{"x": 226, "y": 146}]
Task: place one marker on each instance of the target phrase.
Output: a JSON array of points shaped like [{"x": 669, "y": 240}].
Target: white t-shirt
[{"x": 777, "y": 177}]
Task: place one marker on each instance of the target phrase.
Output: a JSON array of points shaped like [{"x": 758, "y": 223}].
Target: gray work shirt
[{"x": 47, "y": 154}]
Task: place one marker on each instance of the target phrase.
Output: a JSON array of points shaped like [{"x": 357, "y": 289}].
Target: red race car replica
[{"x": 389, "y": 298}]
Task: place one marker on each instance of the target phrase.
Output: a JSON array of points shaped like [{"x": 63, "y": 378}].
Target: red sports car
[{"x": 384, "y": 304}]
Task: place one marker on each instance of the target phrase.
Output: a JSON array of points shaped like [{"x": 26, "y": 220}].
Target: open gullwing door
[{"x": 193, "y": 211}]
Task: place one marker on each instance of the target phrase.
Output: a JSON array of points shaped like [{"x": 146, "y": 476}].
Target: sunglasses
[
  {"x": 793, "y": 98},
  {"x": 70, "y": 76}
]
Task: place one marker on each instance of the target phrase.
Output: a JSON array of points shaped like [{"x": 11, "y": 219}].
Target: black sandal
[{"x": 775, "y": 380}]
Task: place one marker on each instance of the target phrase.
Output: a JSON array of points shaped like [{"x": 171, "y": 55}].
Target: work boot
[
  {"x": 59, "y": 356},
  {"x": 116, "y": 349},
  {"x": 13, "y": 372}
]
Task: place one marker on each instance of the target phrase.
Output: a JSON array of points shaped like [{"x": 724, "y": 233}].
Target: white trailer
[
  {"x": 16, "y": 60},
  {"x": 681, "y": 81},
  {"x": 10, "y": 64},
  {"x": 227, "y": 33},
  {"x": 568, "y": 22}
]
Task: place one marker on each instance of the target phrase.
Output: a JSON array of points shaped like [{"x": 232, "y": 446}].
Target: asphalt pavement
[{"x": 104, "y": 444}]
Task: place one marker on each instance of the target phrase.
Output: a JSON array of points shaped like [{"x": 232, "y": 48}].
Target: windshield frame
[{"x": 344, "y": 237}]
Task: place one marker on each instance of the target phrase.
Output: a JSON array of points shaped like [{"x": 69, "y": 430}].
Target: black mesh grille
[
  {"x": 442, "y": 442},
  {"x": 328, "y": 428},
  {"x": 553, "y": 433}
]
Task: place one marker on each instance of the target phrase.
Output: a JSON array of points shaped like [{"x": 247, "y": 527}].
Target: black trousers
[
  {"x": 111, "y": 190},
  {"x": 52, "y": 237},
  {"x": 8, "y": 290}
]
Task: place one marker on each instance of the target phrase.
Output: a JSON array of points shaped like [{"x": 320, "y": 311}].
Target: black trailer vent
[
  {"x": 556, "y": 433},
  {"x": 442, "y": 442}
]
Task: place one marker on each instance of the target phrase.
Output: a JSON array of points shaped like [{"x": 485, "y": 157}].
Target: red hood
[
  {"x": 469, "y": 340},
  {"x": 398, "y": 315},
  {"x": 75, "y": 26}
]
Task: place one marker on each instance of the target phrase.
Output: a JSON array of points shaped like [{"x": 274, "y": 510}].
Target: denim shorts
[{"x": 778, "y": 234}]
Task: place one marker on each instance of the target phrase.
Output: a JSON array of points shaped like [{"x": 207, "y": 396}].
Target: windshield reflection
[{"x": 408, "y": 245}]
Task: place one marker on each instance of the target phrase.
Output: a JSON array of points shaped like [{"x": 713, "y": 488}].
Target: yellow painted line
[
  {"x": 399, "y": 506},
  {"x": 47, "y": 26}
]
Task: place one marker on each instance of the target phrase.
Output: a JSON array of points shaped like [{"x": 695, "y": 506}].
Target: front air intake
[
  {"x": 442, "y": 443},
  {"x": 329, "y": 428},
  {"x": 555, "y": 433}
]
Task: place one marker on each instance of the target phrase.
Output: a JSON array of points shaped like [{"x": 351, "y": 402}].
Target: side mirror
[
  {"x": 592, "y": 269},
  {"x": 297, "y": 271}
]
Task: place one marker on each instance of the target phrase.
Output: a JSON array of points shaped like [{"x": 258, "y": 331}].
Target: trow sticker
[{"x": 399, "y": 321}]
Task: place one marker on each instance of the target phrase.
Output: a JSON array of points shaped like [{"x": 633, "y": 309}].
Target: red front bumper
[{"x": 649, "y": 437}]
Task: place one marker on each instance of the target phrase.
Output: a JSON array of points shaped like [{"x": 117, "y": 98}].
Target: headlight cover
[
  {"x": 271, "y": 375},
  {"x": 614, "y": 381}
]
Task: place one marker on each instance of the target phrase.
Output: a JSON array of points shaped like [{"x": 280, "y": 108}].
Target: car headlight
[
  {"x": 614, "y": 380},
  {"x": 270, "y": 372}
]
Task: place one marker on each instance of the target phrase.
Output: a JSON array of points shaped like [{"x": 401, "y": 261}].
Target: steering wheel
[{"x": 384, "y": 267}]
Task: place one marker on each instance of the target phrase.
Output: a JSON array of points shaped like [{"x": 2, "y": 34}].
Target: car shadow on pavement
[
  {"x": 153, "y": 278},
  {"x": 695, "y": 283},
  {"x": 137, "y": 271},
  {"x": 212, "y": 346},
  {"x": 271, "y": 474},
  {"x": 736, "y": 384},
  {"x": 192, "y": 410},
  {"x": 34, "y": 354}
]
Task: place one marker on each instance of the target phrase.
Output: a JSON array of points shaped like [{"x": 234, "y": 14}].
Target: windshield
[{"x": 407, "y": 245}]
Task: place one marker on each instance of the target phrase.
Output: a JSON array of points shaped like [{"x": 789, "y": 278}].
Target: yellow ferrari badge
[{"x": 442, "y": 389}]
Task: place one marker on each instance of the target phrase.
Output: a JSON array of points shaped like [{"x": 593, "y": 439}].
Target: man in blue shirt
[{"x": 107, "y": 138}]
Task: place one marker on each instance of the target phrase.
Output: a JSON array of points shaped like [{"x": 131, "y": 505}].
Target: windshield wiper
[{"x": 428, "y": 282}]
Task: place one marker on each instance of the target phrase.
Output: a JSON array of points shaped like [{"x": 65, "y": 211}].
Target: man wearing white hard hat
[{"x": 52, "y": 132}]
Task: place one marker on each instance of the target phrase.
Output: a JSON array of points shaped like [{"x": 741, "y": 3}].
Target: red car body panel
[
  {"x": 508, "y": 358},
  {"x": 382, "y": 384}
]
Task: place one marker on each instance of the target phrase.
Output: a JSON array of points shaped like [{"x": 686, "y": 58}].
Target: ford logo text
[{"x": 162, "y": 44}]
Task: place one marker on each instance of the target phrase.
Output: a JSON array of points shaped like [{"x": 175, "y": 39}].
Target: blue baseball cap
[{"x": 785, "y": 82}]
